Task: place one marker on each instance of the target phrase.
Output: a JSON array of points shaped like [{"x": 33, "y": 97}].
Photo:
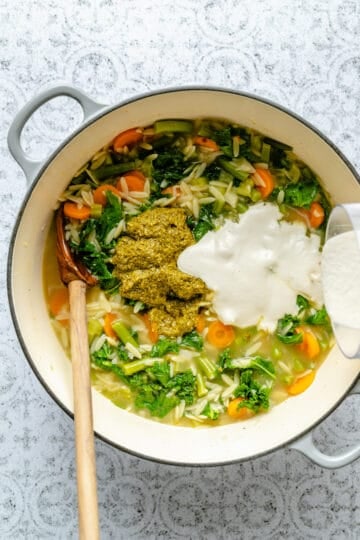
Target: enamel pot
[{"x": 289, "y": 423}]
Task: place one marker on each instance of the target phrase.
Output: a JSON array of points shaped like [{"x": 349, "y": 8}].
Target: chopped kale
[
  {"x": 301, "y": 194},
  {"x": 286, "y": 329},
  {"x": 254, "y": 395},
  {"x": 192, "y": 340},
  {"x": 210, "y": 412},
  {"x": 169, "y": 167},
  {"x": 164, "y": 346},
  {"x": 205, "y": 222}
]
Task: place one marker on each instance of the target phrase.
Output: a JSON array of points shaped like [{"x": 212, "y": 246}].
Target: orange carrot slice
[
  {"x": 200, "y": 323},
  {"x": 58, "y": 300},
  {"x": 108, "y": 320},
  {"x": 220, "y": 335},
  {"x": 207, "y": 143},
  {"x": 99, "y": 193},
  {"x": 239, "y": 413},
  {"x": 309, "y": 345},
  {"x": 74, "y": 211},
  {"x": 127, "y": 138},
  {"x": 264, "y": 184},
  {"x": 317, "y": 215},
  {"x": 301, "y": 384},
  {"x": 151, "y": 328}
]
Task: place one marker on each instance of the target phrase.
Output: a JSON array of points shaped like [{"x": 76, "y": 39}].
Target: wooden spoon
[{"x": 78, "y": 278}]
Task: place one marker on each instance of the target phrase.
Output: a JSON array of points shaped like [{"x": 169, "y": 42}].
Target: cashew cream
[{"x": 257, "y": 267}]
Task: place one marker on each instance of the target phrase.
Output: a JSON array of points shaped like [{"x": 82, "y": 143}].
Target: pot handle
[
  {"x": 29, "y": 166},
  {"x": 306, "y": 446}
]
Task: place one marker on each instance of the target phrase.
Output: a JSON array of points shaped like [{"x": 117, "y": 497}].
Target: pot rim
[{"x": 94, "y": 118}]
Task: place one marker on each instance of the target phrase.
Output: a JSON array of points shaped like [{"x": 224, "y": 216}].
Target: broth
[{"x": 211, "y": 373}]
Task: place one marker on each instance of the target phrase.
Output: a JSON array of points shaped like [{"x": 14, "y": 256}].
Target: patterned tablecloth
[{"x": 304, "y": 54}]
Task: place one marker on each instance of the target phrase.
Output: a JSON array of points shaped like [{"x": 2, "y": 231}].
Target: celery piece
[
  {"x": 241, "y": 207},
  {"x": 137, "y": 365},
  {"x": 255, "y": 195},
  {"x": 201, "y": 388},
  {"x": 218, "y": 206},
  {"x": 232, "y": 168},
  {"x": 96, "y": 210},
  {"x": 245, "y": 188},
  {"x": 123, "y": 333},
  {"x": 94, "y": 329},
  {"x": 178, "y": 126},
  {"x": 294, "y": 173},
  {"x": 208, "y": 367},
  {"x": 265, "y": 152},
  {"x": 201, "y": 181},
  {"x": 205, "y": 131},
  {"x": 256, "y": 143}
]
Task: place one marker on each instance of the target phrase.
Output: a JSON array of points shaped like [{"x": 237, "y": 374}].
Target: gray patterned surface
[{"x": 301, "y": 53}]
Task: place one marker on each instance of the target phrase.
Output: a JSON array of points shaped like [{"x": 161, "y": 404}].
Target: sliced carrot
[
  {"x": 301, "y": 384},
  {"x": 127, "y": 138},
  {"x": 139, "y": 174},
  {"x": 239, "y": 413},
  {"x": 208, "y": 143},
  {"x": 317, "y": 215},
  {"x": 220, "y": 335},
  {"x": 134, "y": 183},
  {"x": 200, "y": 323},
  {"x": 151, "y": 328},
  {"x": 74, "y": 211},
  {"x": 309, "y": 345},
  {"x": 174, "y": 191},
  {"x": 58, "y": 300},
  {"x": 108, "y": 320},
  {"x": 99, "y": 193},
  {"x": 266, "y": 182}
]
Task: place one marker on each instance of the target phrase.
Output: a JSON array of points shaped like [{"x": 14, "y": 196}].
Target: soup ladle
[{"x": 77, "y": 278}]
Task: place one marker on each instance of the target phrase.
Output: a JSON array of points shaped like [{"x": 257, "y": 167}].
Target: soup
[{"x": 163, "y": 342}]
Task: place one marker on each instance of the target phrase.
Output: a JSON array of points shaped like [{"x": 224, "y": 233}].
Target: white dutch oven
[{"x": 170, "y": 444}]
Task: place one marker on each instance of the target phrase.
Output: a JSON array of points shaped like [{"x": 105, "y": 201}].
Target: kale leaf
[
  {"x": 319, "y": 317},
  {"x": 301, "y": 194},
  {"x": 223, "y": 137},
  {"x": 192, "y": 340},
  {"x": 164, "y": 346},
  {"x": 183, "y": 384},
  {"x": 93, "y": 250},
  {"x": 254, "y": 395},
  {"x": 169, "y": 167},
  {"x": 102, "y": 358},
  {"x": 210, "y": 412},
  {"x": 286, "y": 329},
  {"x": 205, "y": 222}
]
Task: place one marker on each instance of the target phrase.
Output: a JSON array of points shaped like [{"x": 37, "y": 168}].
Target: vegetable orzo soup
[{"x": 205, "y": 239}]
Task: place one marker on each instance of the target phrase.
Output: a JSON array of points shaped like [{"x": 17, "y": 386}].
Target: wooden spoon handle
[{"x": 84, "y": 433}]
